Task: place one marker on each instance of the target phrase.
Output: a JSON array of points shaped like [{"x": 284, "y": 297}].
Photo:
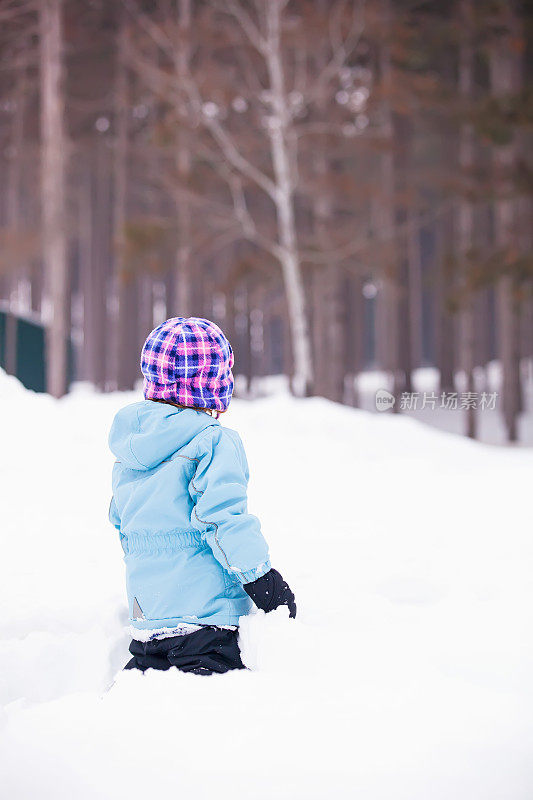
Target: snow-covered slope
[{"x": 407, "y": 675}]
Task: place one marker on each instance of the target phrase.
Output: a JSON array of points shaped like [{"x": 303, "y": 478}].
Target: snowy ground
[
  {"x": 408, "y": 674},
  {"x": 428, "y": 404}
]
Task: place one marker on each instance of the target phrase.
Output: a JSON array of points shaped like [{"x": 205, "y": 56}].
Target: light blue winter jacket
[{"x": 179, "y": 503}]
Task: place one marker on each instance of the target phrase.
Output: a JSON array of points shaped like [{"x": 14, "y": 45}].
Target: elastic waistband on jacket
[
  {"x": 220, "y": 620},
  {"x": 157, "y": 542}
]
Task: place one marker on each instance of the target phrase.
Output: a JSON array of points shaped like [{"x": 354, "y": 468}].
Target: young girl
[{"x": 194, "y": 555}]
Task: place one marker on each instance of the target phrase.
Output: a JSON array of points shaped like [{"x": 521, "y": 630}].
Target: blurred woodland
[{"x": 341, "y": 185}]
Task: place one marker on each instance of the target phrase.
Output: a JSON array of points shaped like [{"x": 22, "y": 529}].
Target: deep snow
[{"x": 408, "y": 674}]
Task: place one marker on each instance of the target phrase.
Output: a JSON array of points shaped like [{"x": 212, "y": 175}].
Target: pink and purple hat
[{"x": 188, "y": 361}]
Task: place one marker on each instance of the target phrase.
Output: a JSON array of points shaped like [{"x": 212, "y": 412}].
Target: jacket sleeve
[{"x": 220, "y": 513}]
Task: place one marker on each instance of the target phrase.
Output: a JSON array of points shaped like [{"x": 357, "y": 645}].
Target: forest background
[{"x": 342, "y": 186}]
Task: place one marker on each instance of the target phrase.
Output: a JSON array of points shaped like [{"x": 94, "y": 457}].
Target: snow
[{"x": 408, "y": 674}]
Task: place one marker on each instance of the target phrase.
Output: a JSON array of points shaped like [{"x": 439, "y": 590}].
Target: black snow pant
[{"x": 203, "y": 652}]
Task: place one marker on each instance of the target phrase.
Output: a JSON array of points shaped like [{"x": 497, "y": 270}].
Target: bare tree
[
  {"x": 283, "y": 195},
  {"x": 465, "y": 213},
  {"x": 505, "y": 80},
  {"x": 127, "y": 284},
  {"x": 183, "y": 296},
  {"x": 388, "y": 338},
  {"x": 272, "y": 110},
  {"x": 445, "y": 332},
  {"x": 13, "y": 211},
  {"x": 53, "y": 191}
]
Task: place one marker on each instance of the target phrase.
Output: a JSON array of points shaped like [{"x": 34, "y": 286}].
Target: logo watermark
[
  {"x": 384, "y": 400},
  {"x": 450, "y": 401}
]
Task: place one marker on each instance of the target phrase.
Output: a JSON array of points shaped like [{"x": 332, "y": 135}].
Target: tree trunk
[
  {"x": 509, "y": 352},
  {"x": 145, "y": 317},
  {"x": 284, "y": 202},
  {"x": 102, "y": 264},
  {"x": 329, "y": 329},
  {"x": 465, "y": 218},
  {"x": 13, "y": 218},
  {"x": 444, "y": 323},
  {"x": 229, "y": 313},
  {"x": 328, "y": 334},
  {"x": 405, "y": 352},
  {"x": 126, "y": 333},
  {"x": 318, "y": 326},
  {"x": 505, "y": 80},
  {"x": 249, "y": 371},
  {"x": 387, "y": 301},
  {"x": 183, "y": 301},
  {"x": 414, "y": 289},
  {"x": 335, "y": 330},
  {"x": 320, "y": 293},
  {"x": 354, "y": 311},
  {"x": 85, "y": 246},
  {"x": 53, "y": 191}
]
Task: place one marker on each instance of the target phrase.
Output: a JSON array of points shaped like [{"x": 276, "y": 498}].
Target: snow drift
[{"x": 407, "y": 675}]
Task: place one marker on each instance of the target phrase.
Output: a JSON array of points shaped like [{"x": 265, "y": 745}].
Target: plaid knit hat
[{"x": 188, "y": 361}]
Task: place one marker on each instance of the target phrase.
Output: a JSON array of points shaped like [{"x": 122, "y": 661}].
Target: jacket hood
[{"x": 146, "y": 433}]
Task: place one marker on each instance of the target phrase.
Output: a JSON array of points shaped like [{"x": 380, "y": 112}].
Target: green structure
[
  {"x": 29, "y": 355},
  {"x": 29, "y": 360}
]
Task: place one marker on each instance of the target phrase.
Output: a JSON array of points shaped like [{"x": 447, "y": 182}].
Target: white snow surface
[{"x": 408, "y": 674}]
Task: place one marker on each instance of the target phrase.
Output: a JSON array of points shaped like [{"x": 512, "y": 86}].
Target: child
[{"x": 194, "y": 555}]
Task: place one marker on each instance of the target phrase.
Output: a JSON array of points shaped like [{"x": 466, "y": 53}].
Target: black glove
[{"x": 270, "y": 591}]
